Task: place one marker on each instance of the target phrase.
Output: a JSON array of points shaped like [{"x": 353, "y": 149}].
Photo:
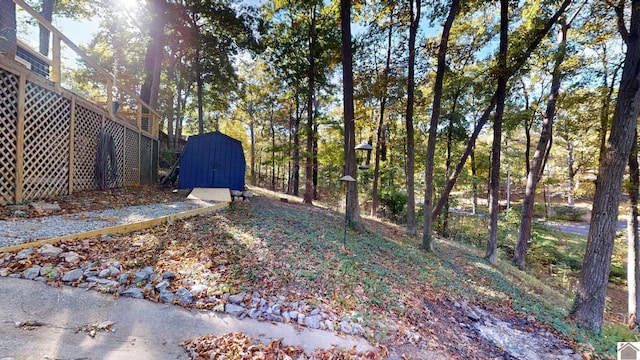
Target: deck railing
[{"x": 138, "y": 112}]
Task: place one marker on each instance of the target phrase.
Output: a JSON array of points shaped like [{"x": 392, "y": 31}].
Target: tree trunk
[
  {"x": 519, "y": 61},
  {"x": 308, "y": 189},
  {"x": 528, "y": 123},
  {"x": 153, "y": 56},
  {"x": 494, "y": 175},
  {"x": 181, "y": 96},
  {"x": 450, "y": 127},
  {"x": 633, "y": 240},
  {"x": 252, "y": 134},
  {"x": 352, "y": 207},
  {"x": 524, "y": 232},
  {"x": 467, "y": 151},
  {"x": 8, "y": 25},
  {"x": 427, "y": 221},
  {"x": 47, "y": 13},
  {"x": 380, "y": 136},
  {"x": 606, "y": 104},
  {"x": 315, "y": 160},
  {"x": 571, "y": 174},
  {"x": 474, "y": 183},
  {"x": 445, "y": 215},
  {"x": 376, "y": 167},
  {"x": 199, "y": 89},
  {"x": 290, "y": 155},
  {"x": 590, "y": 300},
  {"x": 296, "y": 152},
  {"x": 508, "y": 193},
  {"x": 273, "y": 150},
  {"x": 170, "y": 120},
  {"x": 410, "y": 170}
]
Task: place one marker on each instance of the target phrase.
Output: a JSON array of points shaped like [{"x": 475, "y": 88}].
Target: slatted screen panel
[
  {"x": 131, "y": 159},
  {"x": 87, "y": 134},
  {"x": 154, "y": 161},
  {"x": 146, "y": 158},
  {"x": 117, "y": 132},
  {"x": 8, "y": 132},
  {"x": 46, "y": 143}
]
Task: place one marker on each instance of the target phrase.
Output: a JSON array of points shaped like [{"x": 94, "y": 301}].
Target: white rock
[
  {"x": 43, "y": 208},
  {"x": 49, "y": 250},
  {"x": 23, "y": 254},
  {"x": 70, "y": 257},
  {"x": 345, "y": 327},
  {"x": 32, "y": 272},
  {"x": 196, "y": 290},
  {"x": 312, "y": 321},
  {"x": 233, "y": 309},
  {"x": 104, "y": 273},
  {"x": 237, "y": 298},
  {"x": 72, "y": 275}
]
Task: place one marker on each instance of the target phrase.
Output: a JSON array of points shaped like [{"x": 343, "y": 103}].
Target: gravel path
[{"x": 16, "y": 232}]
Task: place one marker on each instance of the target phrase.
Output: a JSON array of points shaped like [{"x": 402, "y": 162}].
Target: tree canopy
[{"x": 468, "y": 97}]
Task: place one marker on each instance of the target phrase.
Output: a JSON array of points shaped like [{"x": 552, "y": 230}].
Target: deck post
[
  {"x": 56, "y": 72},
  {"x": 72, "y": 140}
]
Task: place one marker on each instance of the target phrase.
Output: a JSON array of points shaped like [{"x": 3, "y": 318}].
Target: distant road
[{"x": 579, "y": 228}]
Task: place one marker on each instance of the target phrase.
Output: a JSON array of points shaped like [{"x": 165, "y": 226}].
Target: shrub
[
  {"x": 567, "y": 213},
  {"x": 394, "y": 199}
]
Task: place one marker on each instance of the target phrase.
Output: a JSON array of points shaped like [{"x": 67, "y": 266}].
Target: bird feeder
[{"x": 365, "y": 161}]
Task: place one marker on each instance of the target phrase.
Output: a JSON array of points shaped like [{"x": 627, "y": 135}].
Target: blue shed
[{"x": 212, "y": 160}]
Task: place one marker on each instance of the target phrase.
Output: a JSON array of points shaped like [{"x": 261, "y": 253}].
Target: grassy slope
[
  {"x": 297, "y": 251},
  {"x": 381, "y": 280}
]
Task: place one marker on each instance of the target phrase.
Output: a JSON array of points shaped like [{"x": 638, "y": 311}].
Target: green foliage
[
  {"x": 393, "y": 198},
  {"x": 168, "y": 157},
  {"x": 72, "y": 9},
  {"x": 566, "y": 213},
  {"x": 554, "y": 259},
  {"x": 550, "y": 250},
  {"x": 614, "y": 333},
  {"x": 508, "y": 223}
]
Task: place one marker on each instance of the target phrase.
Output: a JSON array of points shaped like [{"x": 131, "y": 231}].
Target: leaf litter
[
  {"x": 398, "y": 296},
  {"x": 237, "y": 345}
]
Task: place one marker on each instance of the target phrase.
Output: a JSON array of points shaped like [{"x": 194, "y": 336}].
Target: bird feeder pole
[{"x": 346, "y": 179}]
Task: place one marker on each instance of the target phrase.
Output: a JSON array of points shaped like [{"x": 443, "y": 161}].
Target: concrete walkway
[{"x": 141, "y": 329}]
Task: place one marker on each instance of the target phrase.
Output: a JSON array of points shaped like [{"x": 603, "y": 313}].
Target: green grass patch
[
  {"x": 566, "y": 213},
  {"x": 298, "y": 250},
  {"x": 547, "y": 288}
]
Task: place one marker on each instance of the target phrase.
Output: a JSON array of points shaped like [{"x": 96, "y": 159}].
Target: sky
[{"x": 79, "y": 32}]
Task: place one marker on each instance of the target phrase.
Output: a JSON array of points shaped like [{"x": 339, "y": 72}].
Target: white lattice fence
[
  {"x": 46, "y": 143},
  {"x": 132, "y": 160},
  {"x": 88, "y": 125},
  {"x": 117, "y": 132},
  {"x": 8, "y": 129}
]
